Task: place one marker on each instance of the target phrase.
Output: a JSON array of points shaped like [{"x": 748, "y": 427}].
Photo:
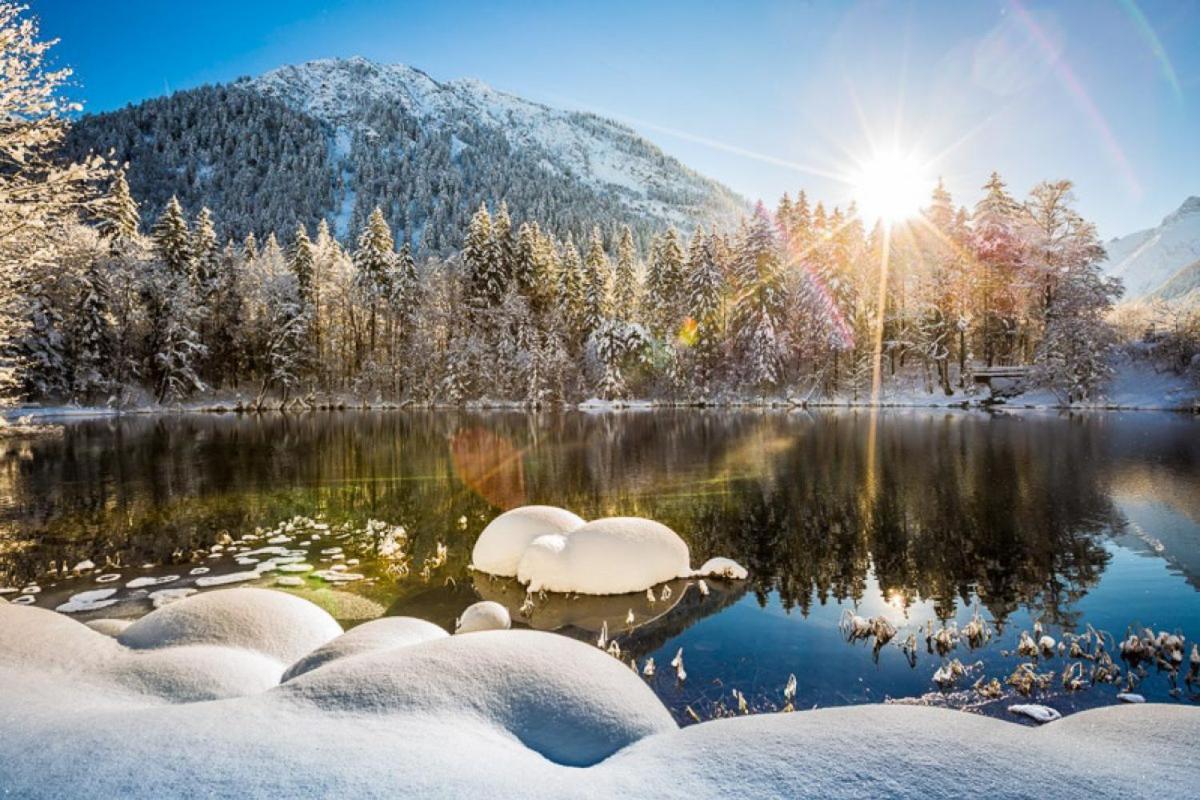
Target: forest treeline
[{"x": 798, "y": 302}]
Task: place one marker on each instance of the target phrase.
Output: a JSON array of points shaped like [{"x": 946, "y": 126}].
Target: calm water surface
[{"x": 920, "y": 516}]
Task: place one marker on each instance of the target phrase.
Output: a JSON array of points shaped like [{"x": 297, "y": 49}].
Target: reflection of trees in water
[
  {"x": 952, "y": 503},
  {"x": 144, "y": 489},
  {"x": 1010, "y": 509}
]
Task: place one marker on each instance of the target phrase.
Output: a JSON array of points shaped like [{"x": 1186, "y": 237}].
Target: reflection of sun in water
[{"x": 890, "y": 187}]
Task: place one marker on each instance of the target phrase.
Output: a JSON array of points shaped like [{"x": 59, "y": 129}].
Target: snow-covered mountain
[
  {"x": 338, "y": 136},
  {"x": 1147, "y": 260}
]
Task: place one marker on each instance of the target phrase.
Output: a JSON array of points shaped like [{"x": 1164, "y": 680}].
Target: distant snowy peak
[
  {"x": 1149, "y": 259},
  {"x": 598, "y": 152}
]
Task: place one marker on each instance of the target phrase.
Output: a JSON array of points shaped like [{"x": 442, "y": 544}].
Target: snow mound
[
  {"x": 486, "y": 615},
  {"x": 499, "y": 548},
  {"x": 607, "y": 556},
  {"x": 725, "y": 568},
  {"x": 569, "y": 701},
  {"x": 198, "y": 672},
  {"x": 379, "y": 634},
  {"x": 272, "y": 623},
  {"x": 503, "y": 714},
  {"x": 109, "y": 627}
]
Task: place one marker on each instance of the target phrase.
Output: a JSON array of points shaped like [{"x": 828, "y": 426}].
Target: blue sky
[{"x": 765, "y": 96}]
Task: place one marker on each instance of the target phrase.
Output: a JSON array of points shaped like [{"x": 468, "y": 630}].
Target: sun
[{"x": 890, "y": 187}]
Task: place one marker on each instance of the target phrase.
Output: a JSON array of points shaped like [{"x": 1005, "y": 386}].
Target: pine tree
[
  {"x": 205, "y": 254},
  {"x": 302, "y": 263},
  {"x": 706, "y": 288},
  {"x": 485, "y": 278},
  {"x": 43, "y": 361},
  {"x": 665, "y": 285},
  {"x": 250, "y": 247},
  {"x": 93, "y": 348},
  {"x": 505, "y": 244},
  {"x": 759, "y": 307},
  {"x": 178, "y": 348},
  {"x": 595, "y": 283},
  {"x": 171, "y": 241},
  {"x": 571, "y": 286},
  {"x": 625, "y": 288},
  {"x": 373, "y": 260},
  {"x": 525, "y": 260},
  {"x": 117, "y": 217},
  {"x": 226, "y": 356}
]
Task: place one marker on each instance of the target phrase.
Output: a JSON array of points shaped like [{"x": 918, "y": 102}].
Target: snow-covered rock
[
  {"x": 379, "y": 634},
  {"x": 720, "y": 567},
  {"x": 500, "y": 546},
  {"x": 486, "y": 615},
  {"x": 93, "y": 600},
  {"x": 275, "y": 624},
  {"x": 606, "y": 556},
  {"x": 1038, "y": 713}
]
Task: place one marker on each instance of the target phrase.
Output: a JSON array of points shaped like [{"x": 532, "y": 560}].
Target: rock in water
[
  {"x": 725, "y": 568},
  {"x": 1037, "y": 713},
  {"x": 499, "y": 548},
  {"x": 607, "y": 556}
]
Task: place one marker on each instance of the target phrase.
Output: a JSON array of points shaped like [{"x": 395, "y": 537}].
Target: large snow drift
[
  {"x": 402, "y": 709},
  {"x": 551, "y": 549}
]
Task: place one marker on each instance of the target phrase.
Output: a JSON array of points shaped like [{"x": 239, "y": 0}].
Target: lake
[{"x": 923, "y": 517}]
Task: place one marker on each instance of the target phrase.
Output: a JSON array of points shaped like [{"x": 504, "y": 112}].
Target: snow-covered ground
[
  {"x": 1137, "y": 385},
  {"x": 189, "y": 701}
]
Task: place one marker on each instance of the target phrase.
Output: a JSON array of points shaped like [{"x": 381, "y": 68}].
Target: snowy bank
[{"x": 402, "y": 709}]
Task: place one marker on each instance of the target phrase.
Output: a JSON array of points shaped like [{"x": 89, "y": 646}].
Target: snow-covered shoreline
[{"x": 195, "y": 700}]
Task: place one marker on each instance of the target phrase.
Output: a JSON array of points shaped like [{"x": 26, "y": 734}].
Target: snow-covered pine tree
[
  {"x": 665, "y": 288},
  {"x": 302, "y": 263},
  {"x": 571, "y": 288},
  {"x": 505, "y": 243},
  {"x": 117, "y": 218},
  {"x": 250, "y": 247},
  {"x": 174, "y": 346},
  {"x": 525, "y": 266},
  {"x": 760, "y": 350},
  {"x": 485, "y": 278},
  {"x": 119, "y": 223},
  {"x": 171, "y": 241},
  {"x": 625, "y": 279},
  {"x": 596, "y": 271},
  {"x": 226, "y": 357},
  {"x": 205, "y": 253},
  {"x": 286, "y": 331},
  {"x": 705, "y": 293},
  {"x": 998, "y": 250},
  {"x": 373, "y": 260},
  {"x": 92, "y": 343},
  {"x": 42, "y": 361},
  {"x": 1074, "y": 356}
]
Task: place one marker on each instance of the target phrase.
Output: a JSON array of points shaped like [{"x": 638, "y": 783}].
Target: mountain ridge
[
  {"x": 350, "y": 134},
  {"x": 1147, "y": 260}
]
